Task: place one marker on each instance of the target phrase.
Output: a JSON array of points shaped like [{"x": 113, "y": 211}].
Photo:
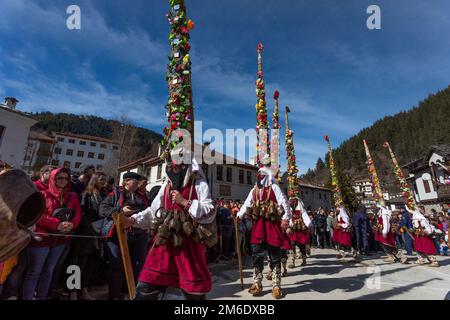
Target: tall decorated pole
[
  {"x": 337, "y": 194},
  {"x": 373, "y": 176},
  {"x": 293, "y": 181},
  {"x": 179, "y": 109},
  {"x": 275, "y": 142},
  {"x": 406, "y": 191},
  {"x": 262, "y": 126}
]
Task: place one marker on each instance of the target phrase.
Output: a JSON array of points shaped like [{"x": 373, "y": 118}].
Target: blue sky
[{"x": 336, "y": 75}]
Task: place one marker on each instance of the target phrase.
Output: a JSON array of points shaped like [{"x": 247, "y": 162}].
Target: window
[
  {"x": 67, "y": 164},
  {"x": 82, "y": 143},
  {"x": 55, "y": 162},
  {"x": 69, "y": 152},
  {"x": 71, "y": 140},
  {"x": 229, "y": 174},
  {"x": 80, "y": 154},
  {"x": 99, "y": 167},
  {"x": 2, "y": 131},
  {"x": 101, "y": 156},
  {"x": 225, "y": 191},
  {"x": 60, "y": 139},
  {"x": 77, "y": 165},
  {"x": 158, "y": 173},
  {"x": 426, "y": 185},
  {"x": 91, "y": 155},
  {"x": 103, "y": 146},
  {"x": 249, "y": 177},
  {"x": 219, "y": 173},
  {"x": 58, "y": 150},
  {"x": 115, "y": 148},
  {"x": 320, "y": 196},
  {"x": 93, "y": 144},
  {"x": 241, "y": 176}
]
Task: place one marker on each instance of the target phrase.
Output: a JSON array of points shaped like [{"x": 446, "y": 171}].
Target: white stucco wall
[{"x": 14, "y": 140}]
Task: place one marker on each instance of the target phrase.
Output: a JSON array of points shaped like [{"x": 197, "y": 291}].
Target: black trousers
[
  {"x": 361, "y": 238},
  {"x": 302, "y": 247},
  {"x": 321, "y": 237},
  {"x": 390, "y": 250},
  {"x": 284, "y": 255},
  {"x": 259, "y": 250},
  {"x": 148, "y": 291}
]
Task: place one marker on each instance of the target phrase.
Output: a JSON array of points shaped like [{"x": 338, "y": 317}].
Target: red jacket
[
  {"x": 47, "y": 223},
  {"x": 40, "y": 185}
]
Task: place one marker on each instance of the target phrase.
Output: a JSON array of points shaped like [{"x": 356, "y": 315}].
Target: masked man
[
  {"x": 342, "y": 234},
  {"x": 300, "y": 230},
  {"x": 182, "y": 217},
  {"x": 423, "y": 242},
  {"x": 269, "y": 210},
  {"x": 385, "y": 234}
]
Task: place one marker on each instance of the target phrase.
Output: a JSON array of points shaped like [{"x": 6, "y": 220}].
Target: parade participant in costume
[
  {"x": 385, "y": 233},
  {"x": 266, "y": 206},
  {"x": 386, "y": 228},
  {"x": 423, "y": 242},
  {"x": 300, "y": 220},
  {"x": 300, "y": 230},
  {"x": 182, "y": 215},
  {"x": 422, "y": 233},
  {"x": 274, "y": 152},
  {"x": 342, "y": 234}
]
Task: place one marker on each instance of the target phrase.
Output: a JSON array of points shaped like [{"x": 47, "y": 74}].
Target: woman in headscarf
[{"x": 62, "y": 214}]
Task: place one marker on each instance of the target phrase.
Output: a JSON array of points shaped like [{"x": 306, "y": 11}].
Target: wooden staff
[
  {"x": 123, "y": 244},
  {"x": 238, "y": 251}
]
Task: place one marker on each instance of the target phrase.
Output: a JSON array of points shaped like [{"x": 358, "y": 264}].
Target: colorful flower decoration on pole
[
  {"x": 373, "y": 176},
  {"x": 179, "y": 109},
  {"x": 292, "y": 171},
  {"x": 337, "y": 195},
  {"x": 262, "y": 126},
  {"x": 275, "y": 143},
  {"x": 406, "y": 191}
]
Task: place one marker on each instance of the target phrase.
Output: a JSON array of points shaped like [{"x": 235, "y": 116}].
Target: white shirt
[
  {"x": 202, "y": 209},
  {"x": 385, "y": 214},
  {"x": 343, "y": 214},
  {"x": 281, "y": 201},
  {"x": 305, "y": 217},
  {"x": 419, "y": 219}
]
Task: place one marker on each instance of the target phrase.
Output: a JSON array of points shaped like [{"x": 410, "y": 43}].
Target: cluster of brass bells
[
  {"x": 269, "y": 211},
  {"x": 172, "y": 225}
]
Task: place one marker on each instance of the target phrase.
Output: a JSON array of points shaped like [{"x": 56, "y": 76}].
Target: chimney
[{"x": 10, "y": 102}]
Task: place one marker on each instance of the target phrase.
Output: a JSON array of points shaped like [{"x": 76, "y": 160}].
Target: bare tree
[{"x": 126, "y": 135}]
